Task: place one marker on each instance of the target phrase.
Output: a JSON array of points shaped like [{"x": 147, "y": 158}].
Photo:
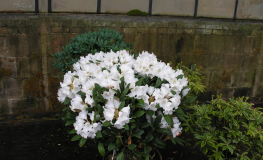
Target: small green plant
[
  {"x": 104, "y": 40},
  {"x": 226, "y": 129},
  {"x": 137, "y": 12}
]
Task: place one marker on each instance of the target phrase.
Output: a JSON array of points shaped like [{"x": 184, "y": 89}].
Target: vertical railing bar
[
  {"x": 196, "y": 8},
  {"x": 150, "y": 7},
  {"x": 49, "y": 6},
  {"x": 235, "y": 12},
  {"x": 36, "y": 6},
  {"x": 98, "y": 6}
]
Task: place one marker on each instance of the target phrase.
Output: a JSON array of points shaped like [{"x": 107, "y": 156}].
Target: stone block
[
  {"x": 162, "y": 30},
  {"x": 26, "y": 105},
  {"x": 4, "y": 109},
  {"x": 28, "y": 30},
  {"x": 185, "y": 31},
  {"x": 89, "y": 6},
  {"x": 28, "y": 67},
  {"x": 226, "y": 93},
  {"x": 14, "y": 88},
  {"x": 22, "y": 45},
  {"x": 59, "y": 40},
  {"x": 203, "y": 31},
  {"x": 250, "y": 61},
  {"x": 244, "y": 78},
  {"x": 124, "y": 6},
  {"x": 2, "y": 88},
  {"x": 218, "y": 32},
  {"x": 216, "y": 62},
  {"x": 18, "y": 6},
  {"x": 130, "y": 30},
  {"x": 244, "y": 91},
  {"x": 9, "y": 65},
  {"x": 5, "y": 31},
  {"x": 250, "y": 9},
  {"x": 171, "y": 7},
  {"x": 233, "y": 62},
  {"x": 216, "y": 8}
]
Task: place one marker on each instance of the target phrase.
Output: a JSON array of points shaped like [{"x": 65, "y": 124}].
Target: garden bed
[{"x": 45, "y": 136}]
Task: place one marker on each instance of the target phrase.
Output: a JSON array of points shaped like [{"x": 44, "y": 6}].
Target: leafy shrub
[
  {"x": 136, "y": 12},
  {"x": 91, "y": 42},
  {"x": 226, "y": 129},
  {"x": 126, "y": 103}
]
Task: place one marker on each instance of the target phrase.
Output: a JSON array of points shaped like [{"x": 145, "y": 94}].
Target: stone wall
[
  {"x": 229, "y": 52},
  {"x": 230, "y": 9}
]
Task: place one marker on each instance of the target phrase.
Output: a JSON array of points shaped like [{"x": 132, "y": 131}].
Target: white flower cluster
[{"x": 103, "y": 69}]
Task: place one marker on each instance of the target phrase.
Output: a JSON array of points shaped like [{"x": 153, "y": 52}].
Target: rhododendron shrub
[{"x": 127, "y": 103}]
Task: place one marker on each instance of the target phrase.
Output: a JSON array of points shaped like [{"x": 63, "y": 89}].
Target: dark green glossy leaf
[
  {"x": 76, "y": 137},
  {"x": 189, "y": 100},
  {"x": 72, "y": 131},
  {"x": 70, "y": 122},
  {"x": 101, "y": 149},
  {"x": 98, "y": 134},
  {"x": 111, "y": 146},
  {"x": 106, "y": 124},
  {"x": 120, "y": 156},
  {"x": 138, "y": 114},
  {"x": 168, "y": 119},
  {"x": 148, "y": 138},
  {"x": 82, "y": 142},
  {"x": 139, "y": 83},
  {"x": 131, "y": 146}
]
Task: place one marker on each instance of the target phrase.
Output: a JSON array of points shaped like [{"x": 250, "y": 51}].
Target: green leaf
[
  {"x": 131, "y": 146},
  {"x": 223, "y": 139},
  {"x": 148, "y": 138},
  {"x": 141, "y": 101},
  {"x": 82, "y": 142},
  {"x": 158, "y": 83},
  {"x": 138, "y": 114},
  {"x": 120, "y": 156},
  {"x": 70, "y": 122},
  {"x": 81, "y": 93},
  {"x": 157, "y": 120},
  {"x": 168, "y": 119},
  {"x": 101, "y": 149},
  {"x": 126, "y": 126},
  {"x": 144, "y": 125},
  {"x": 106, "y": 124},
  {"x": 122, "y": 84},
  {"x": 67, "y": 101},
  {"x": 100, "y": 109},
  {"x": 121, "y": 105},
  {"x": 193, "y": 66},
  {"x": 161, "y": 130},
  {"x": 76, "y": 137},
  {"x": 98, "y": 88},
  {"x": 180, "y": 76},
  {"x": 138, "y": 83},
  {"x": 173, "y": 92},
  {"x": 111, "y": 146},
  {"x": 72, "y": 131},
  {"x": 147, "y": 157},
  {"x": 149, "y": 112},
  {"x": 98, "y": 134},
  {"x": 190, "y": 100},
  {"x": 123, "y": 94}
]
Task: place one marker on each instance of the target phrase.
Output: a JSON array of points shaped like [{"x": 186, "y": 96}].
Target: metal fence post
[
  {"x": 150, "y": 7},
  {"x": 49, "y": 6},
  {"x": 235, "y": 12},
  {"x": 36, "y": 6},
  {"x": 196, "y": 8},
  {"x": 98, "y": 6}
]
